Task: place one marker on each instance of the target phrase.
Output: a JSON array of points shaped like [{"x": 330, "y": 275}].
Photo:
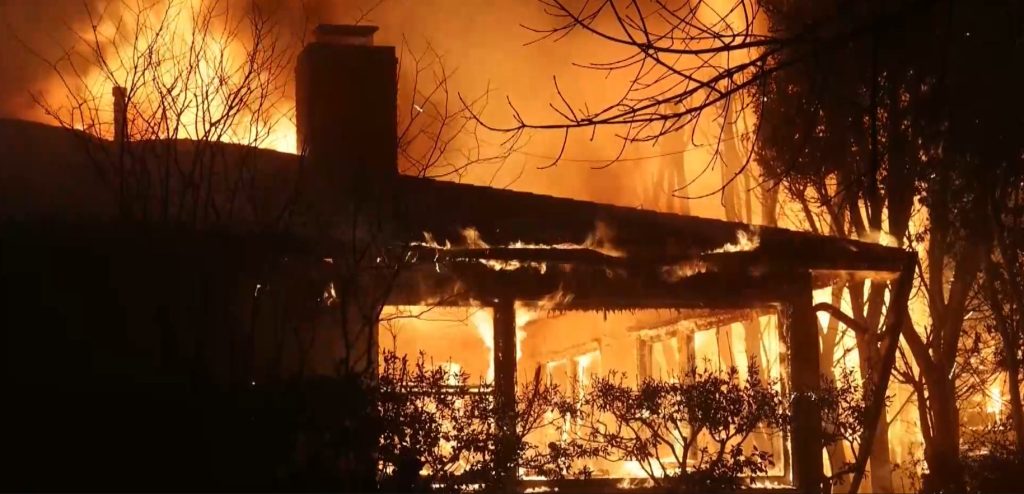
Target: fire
[
  {"x": 453, "y": 371},
  {"x": 599, "y": 240},
  {"x": 192, "y": 71},
  {"x": 768, "y": 484},
  {"x": 994, "y": 405},
  {"x": 540, "y": 488},
  {"x": 584, "y": 370},
  {"x": 745, "y": 242},
  {"x": 483, "y": 321},
  {"x": 484, "y": 324},
  {"x": 634, "y": 475},
  {"x": 681, "y": 270}
]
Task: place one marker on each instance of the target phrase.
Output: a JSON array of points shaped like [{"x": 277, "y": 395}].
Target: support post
[
  {"x": 120, "y": 95},
  {"x": 643, "y": 357},
  {"x": 808, "y": 468},
  {"x": 505, "y": 389},
  {"x": 688, "y": 355}
]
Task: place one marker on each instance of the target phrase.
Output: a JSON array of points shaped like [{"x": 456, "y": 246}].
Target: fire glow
[{"x": 190, "y": 69}]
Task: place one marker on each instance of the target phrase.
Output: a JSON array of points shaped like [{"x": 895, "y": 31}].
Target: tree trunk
[
  {"x": 880, "y": 461},
  {"x": 837, "y": 458},
  {"x": 869, "y": 312},
  {"x": 1013, "y": 382},
  {"x": 943, "y": 454}
]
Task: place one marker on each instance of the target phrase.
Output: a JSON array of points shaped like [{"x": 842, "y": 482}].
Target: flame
[
  {"x": 473, "y": 239},
  {"x": 994, "y": 405},
  {"x": 599, "y": 240},
  {"x": 634, "y": 481},
  {"x": 484, "y": 324},
  {"x": 540, "y": 488},
  {"x": 483, "y": 321},
  {"x": 583, "y": 368},
  {"x": 768, "y": 484},
  {"x": 675, "y": 272},
  {"x": 189, "y": 58},
  {"x": 745, "y": 242},
  {"x": 633, "y": 473},
  {"x": 453, "y": 371}
]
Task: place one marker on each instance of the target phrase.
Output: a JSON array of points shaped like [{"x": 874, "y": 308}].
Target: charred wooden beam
[
  {"x": 590, "y": 289},
  {"x": 808, "y": 468},
  {"x": 524, "y": 255},
  {"x": 701, "y": 319},
  {"x": 643, "y": 359},
  {"x": 505, "y": 388}
]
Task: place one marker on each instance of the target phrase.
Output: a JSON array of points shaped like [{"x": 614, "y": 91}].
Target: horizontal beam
[{"x": 584, "y": 288}]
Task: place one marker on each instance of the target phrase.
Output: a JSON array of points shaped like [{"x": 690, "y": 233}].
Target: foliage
[
  {"x": 843, "y": 414},
  {"x": 684, "y": 434},
  {"x": 420, "y": 407},
  {"x": 910, "y": 117},
  {"x": 435, "y": 423},
  {"x": 992, "y": 462}
]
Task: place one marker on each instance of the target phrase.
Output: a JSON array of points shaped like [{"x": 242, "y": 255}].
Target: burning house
[
  {"x": 504, "y": 282},
  {"x": 568, "y": 286}
]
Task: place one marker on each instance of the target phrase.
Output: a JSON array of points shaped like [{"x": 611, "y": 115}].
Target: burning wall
[{"x": 572, "y": 348}]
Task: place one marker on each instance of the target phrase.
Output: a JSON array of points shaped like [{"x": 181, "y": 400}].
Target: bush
[
  {"x": 991, "y": 461},
  {"x": 438, "y": 432},
  {"x": 685, "y": 435}
]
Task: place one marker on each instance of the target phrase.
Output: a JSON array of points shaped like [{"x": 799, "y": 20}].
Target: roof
[
  {"x": 504, "y": 219},
  {"x": 490, "y": 239},
  {"x": 483, "y": 240}
]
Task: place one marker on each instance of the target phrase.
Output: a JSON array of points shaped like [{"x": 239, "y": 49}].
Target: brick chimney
[{"x": 346, "y": 92}]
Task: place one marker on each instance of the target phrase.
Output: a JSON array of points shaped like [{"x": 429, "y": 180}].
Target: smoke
[
  {"x": 30, "y": 31},
  {"x": 35, "y": 33},
  {"x": 488, "y": 48}
]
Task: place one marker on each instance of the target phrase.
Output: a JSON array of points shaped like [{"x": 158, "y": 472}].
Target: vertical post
[
  {"x": 808, "y": 468},
  {"x": 643, "y": 359},
  {"x": 120, "y": 134},
  {"x": 505, "y": 389},
  {"x": 688, "y": 354},
  {"x": 120, "y": 95},
  {"x": 782, "y": 324}
]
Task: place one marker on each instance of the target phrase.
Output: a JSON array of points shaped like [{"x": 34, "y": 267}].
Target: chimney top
[{"x": 345, "y": 34}]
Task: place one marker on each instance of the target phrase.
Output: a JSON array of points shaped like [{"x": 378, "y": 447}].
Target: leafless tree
[
  {"x": 683, "y": 62},
  {"x": 145, "y": 76},
  {"x": 438, "y": 137}
]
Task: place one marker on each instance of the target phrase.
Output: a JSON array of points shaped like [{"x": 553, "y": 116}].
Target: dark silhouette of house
[{"x": 125, "y": 339}]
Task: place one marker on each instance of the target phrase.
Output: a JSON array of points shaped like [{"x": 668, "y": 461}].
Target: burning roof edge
[{"x": 506, "y": 218}]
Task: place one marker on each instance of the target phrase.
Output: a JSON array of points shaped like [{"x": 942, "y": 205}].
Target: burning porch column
[
  {"x": 808, "y": 467},
  {"x": 505, "y": 388}
]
